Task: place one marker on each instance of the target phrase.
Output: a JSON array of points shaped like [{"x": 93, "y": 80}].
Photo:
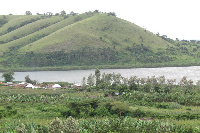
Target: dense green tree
[
  {"x": 90, "y": 80},
  {"x": 96, "y": 11},
  {"x": 106, "y": 78},
  {"x": 28, "y": 13},
  {"x": 8, "y": 76},
  {"x": 83, "y": 83},
  {"x": 73, "y": 13},
  {"x": 112, "y": 14},
  {"x": 63, "y": 13},
  {"x": 133, "y": 86},
  {"x": 57, "y": 14},
  {"x": 116, "y": 78},
  {"x": 28, "y": 80},
  {"x": 97, "y": 75},
  {"x": 49, "y": 14}
]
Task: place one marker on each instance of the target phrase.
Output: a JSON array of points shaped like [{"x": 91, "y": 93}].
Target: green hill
[
  {"x": 100, "y": 30},
  {"x": 89, "y": 39}
]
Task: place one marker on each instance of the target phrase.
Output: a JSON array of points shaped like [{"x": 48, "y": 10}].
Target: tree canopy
[{"x": 8, "y": 76}]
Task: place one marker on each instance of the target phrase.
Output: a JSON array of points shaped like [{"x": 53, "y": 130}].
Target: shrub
[
  {"x": 162, "y": 105},
  {"x": 66, "y": 113},
  {"x": 147, "y": 87},
  {"x": 138, "y": 113},
  {"x": 102, "y": 111},
  {"x": 157, "y": 89},
  {"x": 70, "y": 125},
  {"x": 21, "y": 129},
  {"x": 133, "y": 86},
  {"x": 174, "y": 105},
  {"x": 56, "y": 126},
  {"x": 120, "y": 108}
]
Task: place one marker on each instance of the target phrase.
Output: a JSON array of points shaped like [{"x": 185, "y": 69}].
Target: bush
[
  {"x": 162, "y": 105},
  {"x": 157, "y": 89},
  {"x": 147, "y": 87},
  {"x": 68, "y": 126},
  {"x": 80, "y": 109},
  {"x": 21, "y": 129},
  {"x": 56, "y": 126},
  {"x": 138, "y": 113},
  {"x": 174, "y": 105},
  {"x": 102, "y": 111},
  {"x": 120, "y": 108},
  {"x": 133, "y": 86}
]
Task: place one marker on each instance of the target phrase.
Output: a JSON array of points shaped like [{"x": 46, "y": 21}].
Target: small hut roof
[
  {"x": 30, "y": 86},
  {"x": 56, "y": 86}
]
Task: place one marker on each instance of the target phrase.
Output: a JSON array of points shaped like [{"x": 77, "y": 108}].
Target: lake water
[{"x": 76, "y": 76}]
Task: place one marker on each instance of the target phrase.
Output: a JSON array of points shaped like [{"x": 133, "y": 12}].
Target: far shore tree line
[{"x": 63, "y": 13}]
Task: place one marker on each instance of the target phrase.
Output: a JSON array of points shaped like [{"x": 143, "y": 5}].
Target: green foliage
[
  {"x": 2, "y": 22},
  {"x": 82, "y": 109},
  {"x": 28, "y": 80},
  {"x": 97, "y": 75},
  {"x": 133, "y": 86},
  {"x": 21, "y": 129},
  {"x": 120, "y": 108},
  {"x": 8, "y": 76},
  {"x": 70, "y": 125},
  {"x": 139, "y": 113},
  {"x": 157, "y": 89},
  {"x": 147, "y": 87},
  {"x": 56, "y": 126},
  {"x": 8, "y": 112},
  {"x": 48, "y": 41},
  {"x": 54, "y": 41},
  {"x": 133, "y": 111}
]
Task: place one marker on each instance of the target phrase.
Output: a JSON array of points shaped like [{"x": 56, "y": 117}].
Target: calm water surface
[{"x": 76, "y": 76}]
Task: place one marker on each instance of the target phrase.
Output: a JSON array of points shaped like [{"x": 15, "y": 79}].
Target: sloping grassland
[{"x": 84, "y": 40}]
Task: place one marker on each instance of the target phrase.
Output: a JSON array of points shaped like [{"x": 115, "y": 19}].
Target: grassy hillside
[
  {"x": 39, "y": 34},
  {"x": 100, "y": 30},
  {"x": 14, "y": 22},
  {"x": 28, "y": 29},
  {"x": 87, "y": 39}
]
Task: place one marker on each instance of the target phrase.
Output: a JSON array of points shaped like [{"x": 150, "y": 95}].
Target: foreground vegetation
[{"x": 106, "y": 103}]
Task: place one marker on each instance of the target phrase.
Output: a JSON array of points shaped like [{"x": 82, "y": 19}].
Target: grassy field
[{"x": 143, "y": 105}]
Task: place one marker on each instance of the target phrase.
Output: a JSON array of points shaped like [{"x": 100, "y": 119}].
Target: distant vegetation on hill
[{"x": 88, "y": 39}]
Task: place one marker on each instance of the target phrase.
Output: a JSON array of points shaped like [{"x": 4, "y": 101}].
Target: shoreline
[{"x": 67, "y": 68}]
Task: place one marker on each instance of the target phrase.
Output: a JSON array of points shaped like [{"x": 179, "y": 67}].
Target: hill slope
[
  {"x": 84, "y": 40},
  {"x": 100, "y": 30},
  {"x": 39, "y": 34}
]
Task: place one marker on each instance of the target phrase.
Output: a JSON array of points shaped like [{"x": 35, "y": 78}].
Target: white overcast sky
[{"x": 174, "y": 18}]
